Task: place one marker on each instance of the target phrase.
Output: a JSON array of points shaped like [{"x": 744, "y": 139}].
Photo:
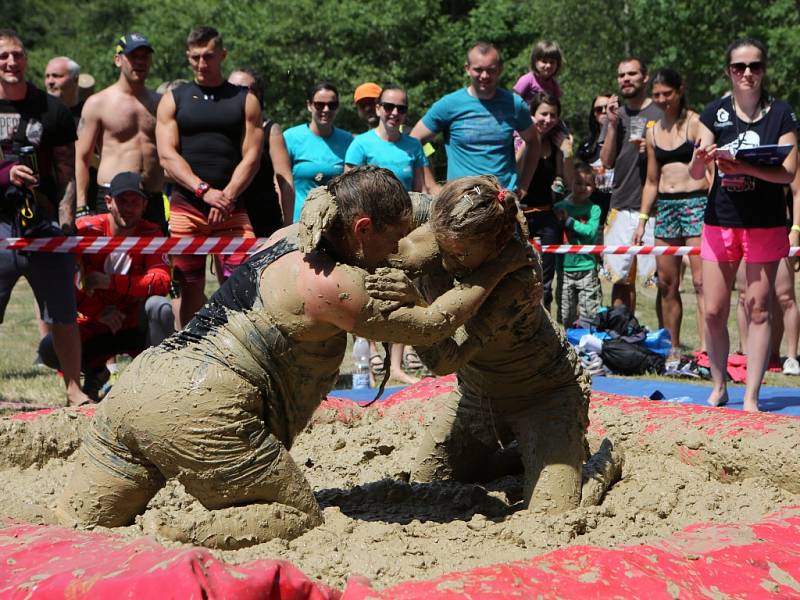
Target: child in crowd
[
  {"x": 578, "y": 284},
  {"x": 546, "y": 61}
]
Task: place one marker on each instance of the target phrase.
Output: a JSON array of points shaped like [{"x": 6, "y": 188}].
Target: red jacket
[{"x": 134, "y": 278}]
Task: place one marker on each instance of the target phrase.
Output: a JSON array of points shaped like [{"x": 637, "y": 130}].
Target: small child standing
[
  {"x": 546, "y": 61},
  {"x": 578, "y": 284}
]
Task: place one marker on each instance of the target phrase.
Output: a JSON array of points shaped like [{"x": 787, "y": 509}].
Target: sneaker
[{"x": 791, "y": 367}]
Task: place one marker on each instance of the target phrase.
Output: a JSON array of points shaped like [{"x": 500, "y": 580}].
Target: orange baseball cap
[{"x": 367, "y": 90}]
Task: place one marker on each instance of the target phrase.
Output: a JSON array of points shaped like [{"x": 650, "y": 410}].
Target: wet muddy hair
[
  {"x": 372, "y": 191},
  {"x": 474, "y": 207},
  {"x": 547, "y": 49}
]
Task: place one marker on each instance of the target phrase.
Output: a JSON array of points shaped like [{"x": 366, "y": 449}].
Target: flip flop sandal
[
  {"x": 411, "y": 361},
  {"x": 376, "y": 365}
]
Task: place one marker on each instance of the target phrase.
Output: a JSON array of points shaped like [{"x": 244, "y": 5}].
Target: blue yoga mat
[
  {"x": 783, "y": 401},
  {"x": 362, "y": 396}
]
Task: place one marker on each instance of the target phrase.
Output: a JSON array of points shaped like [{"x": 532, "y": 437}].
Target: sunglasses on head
[
  {"x": 738, "y": 68},
  {"x": 599, "y": 110},
  {"x": 389, "y": 107},
  {"x": 333, "y": 105}
]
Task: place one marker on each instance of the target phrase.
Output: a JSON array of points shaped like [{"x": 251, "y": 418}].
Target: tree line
[{"x": 421, "y": 44}]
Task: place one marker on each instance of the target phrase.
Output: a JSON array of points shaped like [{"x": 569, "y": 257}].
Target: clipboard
[{"x": 768, "y": 155}]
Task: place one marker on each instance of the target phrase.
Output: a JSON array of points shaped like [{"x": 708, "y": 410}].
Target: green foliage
[{"x": 421, "y": 44}]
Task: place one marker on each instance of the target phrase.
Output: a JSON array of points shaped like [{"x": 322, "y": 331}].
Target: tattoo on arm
[{"x": 64, "y": 162}]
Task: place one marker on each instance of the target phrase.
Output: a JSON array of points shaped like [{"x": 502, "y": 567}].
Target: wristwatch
[{"x": 201, "y": 189}]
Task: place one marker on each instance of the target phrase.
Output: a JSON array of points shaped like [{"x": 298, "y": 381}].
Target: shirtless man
[
  {"x": 121, "y": 120},
  {"x": 218, "y": 404}
]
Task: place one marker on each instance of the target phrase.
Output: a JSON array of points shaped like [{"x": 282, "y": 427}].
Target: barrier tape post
[{"x": 235, "y": 245}]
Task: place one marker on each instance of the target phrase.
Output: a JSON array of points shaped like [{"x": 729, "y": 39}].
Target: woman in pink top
[{"x": 546, "y": 61}]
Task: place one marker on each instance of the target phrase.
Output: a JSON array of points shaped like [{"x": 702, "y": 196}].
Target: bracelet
[
  {"x": 83, "y": 211},
  {"x": 644, "y": 216},
  {"x": 796, "y": 228}
]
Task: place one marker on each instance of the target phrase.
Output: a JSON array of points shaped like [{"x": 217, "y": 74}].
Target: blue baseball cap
[{"x": 130, "y": 42}]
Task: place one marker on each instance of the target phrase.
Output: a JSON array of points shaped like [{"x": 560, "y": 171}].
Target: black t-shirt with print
[
  {"x": 41, "y": 121},
  {"x": 753, "y": 202}
]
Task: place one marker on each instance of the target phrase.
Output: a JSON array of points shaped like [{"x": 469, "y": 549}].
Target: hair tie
[{"x": 501, "y": 195}]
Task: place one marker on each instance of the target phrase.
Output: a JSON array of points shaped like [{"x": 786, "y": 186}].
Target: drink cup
[{"x": 637, "y": 128}]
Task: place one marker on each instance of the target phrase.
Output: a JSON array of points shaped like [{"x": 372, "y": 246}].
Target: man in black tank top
[{"x": 209, "y": 139}]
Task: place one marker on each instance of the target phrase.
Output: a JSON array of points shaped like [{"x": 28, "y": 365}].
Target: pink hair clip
[{"x": 501, "y": 196}]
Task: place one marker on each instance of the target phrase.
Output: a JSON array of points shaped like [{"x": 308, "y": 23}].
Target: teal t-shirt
[
  {"x": 315, "y": 160},
  {"x": 479, "y": 133},
  {"x": 400, "y": 157},
  {"x": 582, "y": 230}
]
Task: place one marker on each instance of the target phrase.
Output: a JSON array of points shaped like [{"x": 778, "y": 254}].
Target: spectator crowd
[{"x": 204, "y": 158}]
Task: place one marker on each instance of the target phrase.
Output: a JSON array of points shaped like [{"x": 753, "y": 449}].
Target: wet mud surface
[{"x": 380, "y": 526}]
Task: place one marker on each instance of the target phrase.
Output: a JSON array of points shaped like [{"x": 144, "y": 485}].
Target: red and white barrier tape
[
  {"x": 233, "y": 245},
  {"x": 81, "y": 244}
]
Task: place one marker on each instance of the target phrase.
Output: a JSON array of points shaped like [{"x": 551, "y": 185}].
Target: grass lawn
[{"x": 20, "y": 381}]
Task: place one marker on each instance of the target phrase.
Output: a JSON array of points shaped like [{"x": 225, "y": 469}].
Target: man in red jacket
[{"x": 121, "y": 298}]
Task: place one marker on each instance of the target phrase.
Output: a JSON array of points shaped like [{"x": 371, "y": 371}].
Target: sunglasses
[
  {"x": 599, "y": 110},
  {"x": 389, "y": 107},
  {"x": 320, "y": 106},
  {"x": 738, "y": 68}
]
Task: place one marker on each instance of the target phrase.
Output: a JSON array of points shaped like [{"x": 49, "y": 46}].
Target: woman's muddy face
[
  {"x": 545, "y": 118},
  {"x": 461, "y": 257}
]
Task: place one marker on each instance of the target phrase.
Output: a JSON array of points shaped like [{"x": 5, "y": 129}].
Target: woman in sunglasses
[
  {"x": 746, "y": 214},
  {"x": 387, "y": 146},
  {"x": 589, "y": 152},
  {"x": 679, "y": 200},
  {"x": 317, "y": 149}
]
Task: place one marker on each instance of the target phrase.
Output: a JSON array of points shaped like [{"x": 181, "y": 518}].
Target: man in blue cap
[{"x": 122, "y": 118}]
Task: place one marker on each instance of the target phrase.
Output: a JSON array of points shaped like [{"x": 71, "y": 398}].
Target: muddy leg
[
  {"x": 551, "y": 443},
  {"x": 107, "y": 486},
  {"x": 453, "y": 447},
  {"x": 252, "y": 505},
  {"x": 602, "y": 471}
]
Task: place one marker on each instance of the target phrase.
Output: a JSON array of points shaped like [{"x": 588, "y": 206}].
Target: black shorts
[{"x": 51, "y": 276}]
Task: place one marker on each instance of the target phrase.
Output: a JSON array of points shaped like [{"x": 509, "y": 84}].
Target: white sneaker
[{"x": 791, "y": 367}]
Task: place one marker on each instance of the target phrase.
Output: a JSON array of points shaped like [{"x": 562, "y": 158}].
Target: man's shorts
[
  {"x": 186, "y": 220},
  {"x": 51, "y": 275},
  {"x": 680, "y": 215},
  {"x": 755, "y": 245},
  {"x": 625, "y": 268}
]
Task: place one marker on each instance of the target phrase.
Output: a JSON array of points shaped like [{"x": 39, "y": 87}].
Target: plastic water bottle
[{"x": 360, "y": 364}]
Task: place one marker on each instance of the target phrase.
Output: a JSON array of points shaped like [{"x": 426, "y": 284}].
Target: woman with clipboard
[{"x": 745, "y": 215}]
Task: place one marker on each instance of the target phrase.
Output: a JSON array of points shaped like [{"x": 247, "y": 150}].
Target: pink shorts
[{"x": 756, "y": 245}]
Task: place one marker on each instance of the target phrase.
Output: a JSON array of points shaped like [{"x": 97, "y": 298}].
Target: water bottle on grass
[{"x": 360, "y": 364}]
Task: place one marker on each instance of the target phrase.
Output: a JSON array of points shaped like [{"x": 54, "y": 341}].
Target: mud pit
[{"x": 381, "y": 527}]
